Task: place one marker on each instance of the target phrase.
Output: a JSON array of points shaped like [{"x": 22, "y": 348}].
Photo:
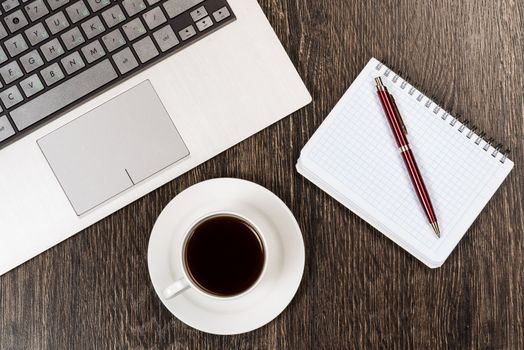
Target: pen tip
[{"x": 436, "y": 229}]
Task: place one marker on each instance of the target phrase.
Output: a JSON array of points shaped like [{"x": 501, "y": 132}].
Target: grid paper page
[{"x": 355, "y": 152}]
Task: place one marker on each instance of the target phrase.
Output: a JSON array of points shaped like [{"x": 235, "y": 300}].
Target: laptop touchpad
[{"x": 113, "y": 147}]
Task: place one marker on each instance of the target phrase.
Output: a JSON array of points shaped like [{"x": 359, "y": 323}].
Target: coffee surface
[{"x": 224, "y": 256}]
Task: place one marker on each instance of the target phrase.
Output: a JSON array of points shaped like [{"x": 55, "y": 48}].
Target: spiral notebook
[{"x": 354, "y": 158}]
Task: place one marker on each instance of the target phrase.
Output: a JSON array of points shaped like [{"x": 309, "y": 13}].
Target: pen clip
[{"x": 397, "y": 113}]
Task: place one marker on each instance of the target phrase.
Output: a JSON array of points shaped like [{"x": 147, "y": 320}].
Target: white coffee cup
[{"x": 186, "y": 281}]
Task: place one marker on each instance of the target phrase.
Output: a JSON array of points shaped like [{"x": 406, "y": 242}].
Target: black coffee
[{"x": 224, "y": 255}]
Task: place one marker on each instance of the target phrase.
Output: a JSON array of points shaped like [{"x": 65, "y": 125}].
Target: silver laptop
[{"x": 104, "y": 101}]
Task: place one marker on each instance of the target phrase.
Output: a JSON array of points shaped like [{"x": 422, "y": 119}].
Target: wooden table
[{"x": 359, "y": 289}]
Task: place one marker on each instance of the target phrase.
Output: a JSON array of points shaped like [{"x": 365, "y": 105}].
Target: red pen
[{"x": 400, "y": 133}]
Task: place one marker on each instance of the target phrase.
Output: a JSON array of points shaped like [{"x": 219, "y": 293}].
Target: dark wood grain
[{"x": 359, "y": 289}]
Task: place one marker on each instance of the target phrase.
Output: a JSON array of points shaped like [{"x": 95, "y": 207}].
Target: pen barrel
[
  {"x": 391, "y": 114},
  {"x": 402, "y": 141},
  {"x": 418, "y": 183}
]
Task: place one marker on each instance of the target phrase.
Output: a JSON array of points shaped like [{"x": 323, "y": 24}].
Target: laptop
[{"x": 101, "y": 102}]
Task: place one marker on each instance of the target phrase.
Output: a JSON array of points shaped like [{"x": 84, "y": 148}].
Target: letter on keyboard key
[
  {"x": 36, "y": 34},
  {"x": 11, "y": 96},
  {"x": 72, "y": 38},
  {"x": 113, "y": 16},
  {"x": 92, "y": 27},
  {"x": 31, "y": 61},
  {"x": 72, "y": 63},
  {"x": 93, "y": 51},
  {"x": 11, "y": 72},
  {"x": 52, "y": 49},
  {"x": 78, "y": 11},
  {"x": 16, "y": 45},
  {"x": 63, "y": 95},
  {"x": 31, "y": 85},
  {"x": 57, "y": 22},
  {"x": 52, "y": 74}
]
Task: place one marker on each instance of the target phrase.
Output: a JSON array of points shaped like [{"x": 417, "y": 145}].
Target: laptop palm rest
[{"x": 113, "y": 147}]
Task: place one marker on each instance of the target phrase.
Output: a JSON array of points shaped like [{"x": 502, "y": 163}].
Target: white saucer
[{"x": 286, "y": 256}]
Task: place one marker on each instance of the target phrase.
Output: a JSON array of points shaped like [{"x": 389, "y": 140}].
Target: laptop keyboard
[{"x": 55, "y": 54}]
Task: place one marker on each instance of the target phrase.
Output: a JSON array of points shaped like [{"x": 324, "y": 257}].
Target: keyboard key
[
  {"x": 154, "y": 18},
  {"x": 93, "y": 51},
  {"x": 54, "y": 4},
  {"x": 73, "y": 63},
  {"x": 31, "y": 61},
  {"x": 187, "y": 33},
  {"x": 134, "y": 29},
  {"x": 52, "y": 74},
  {"x": 72, "y": 38},
  {"x": 78, "y": 11},
  {"x": 57, "y": 22},
  {"x": 3, "y": 56},
  {"x": 98, "y": 4},
  {"x": 152, "y": 2},
  {"x": 11, "y": 72},
  {"x": 176, "y": 7},
  {"x": 113, "y": 40},
  {"x": 31, "y": 85},
  {"x": 221, "y": 14},
  {"x": 145, "y": 49},
  {"x": 3, "y": 32},
  {"x": 36, "y": 10},
  {"x": 113, "y": 16},
  {"x": 133, "y": 7},
  {"x": 52, "y": 49},
  {"x": 16, "y": 45},
  {"x": 63, "y": 95},
  {"x": 11, "y": 97},
  {"x": 166, "y": 38},
  {"x": 15, "y": 21},
  {"x": 6, "y": 129},
  {"x": 92, "y": 27},
  {"x": 199, "y": 13},
  {"x": 125, "y": 61},
  {"x": 36, "y": 34},
  {"x": 8, "y": 5},
  {"x": 204, "y": 23}
]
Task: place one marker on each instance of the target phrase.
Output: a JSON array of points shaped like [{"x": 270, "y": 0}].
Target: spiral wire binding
[{"x": 465, "y": 124}]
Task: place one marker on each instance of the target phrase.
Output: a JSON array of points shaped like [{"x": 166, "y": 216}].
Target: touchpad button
[{"x": 113, "y": 147}]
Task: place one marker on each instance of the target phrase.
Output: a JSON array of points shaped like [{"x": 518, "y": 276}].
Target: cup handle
[{"x": 176, "y": 288}]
